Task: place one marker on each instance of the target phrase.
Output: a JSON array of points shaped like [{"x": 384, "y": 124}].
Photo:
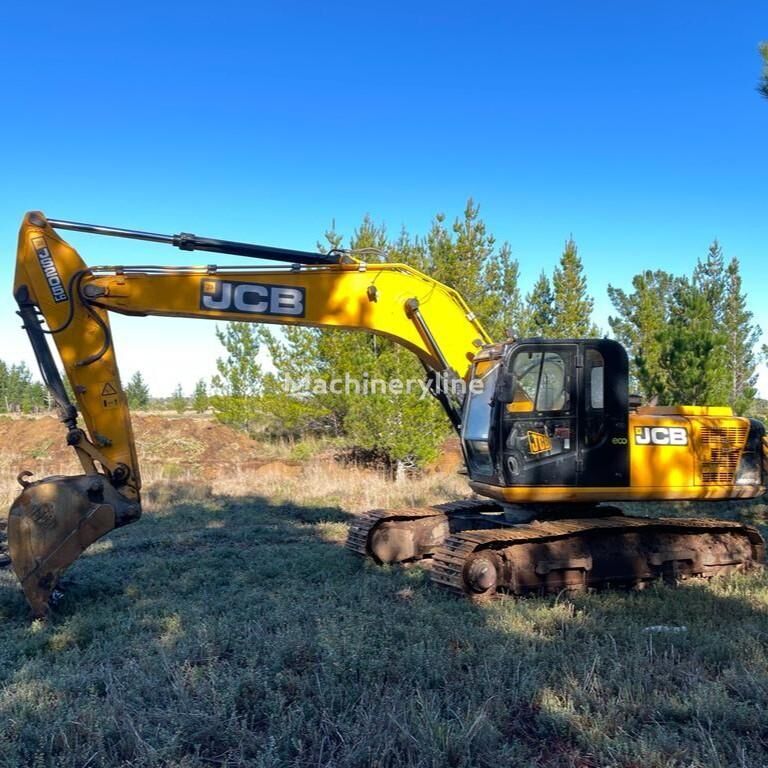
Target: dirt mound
[
  {"x": 450, "y": 459},
  {"x": 173, "y": 443}
]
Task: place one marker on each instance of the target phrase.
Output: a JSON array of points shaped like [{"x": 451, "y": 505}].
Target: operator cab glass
[
  {"x": 549, "y": 413},
  {"x": 477, "y": 420}
]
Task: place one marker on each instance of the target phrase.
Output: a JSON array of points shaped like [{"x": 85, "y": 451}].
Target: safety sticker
[{"x": 109, "y": 396}]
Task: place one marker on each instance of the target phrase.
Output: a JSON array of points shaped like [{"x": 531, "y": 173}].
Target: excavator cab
[{"x": 544, "y": 413}]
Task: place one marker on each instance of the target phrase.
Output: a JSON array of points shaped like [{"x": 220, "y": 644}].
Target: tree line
[
  {"x": 691, "y": 339},
  {"x": 19, "y": 393},
  {"x": 139, "y": 398}
]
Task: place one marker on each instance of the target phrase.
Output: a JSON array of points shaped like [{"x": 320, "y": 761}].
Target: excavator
[{"x": 551, "y": 438}]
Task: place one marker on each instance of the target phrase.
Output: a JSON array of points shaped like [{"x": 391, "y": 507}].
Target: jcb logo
[
  {"x": 538, "y": 443},
  {"x": 252, "y": 298},
  {"x": 49, "y": 270},
  {"x": 661, "y": 436}
]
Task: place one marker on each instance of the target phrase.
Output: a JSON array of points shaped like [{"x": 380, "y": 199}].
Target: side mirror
[{"x": 505, "y": 390}]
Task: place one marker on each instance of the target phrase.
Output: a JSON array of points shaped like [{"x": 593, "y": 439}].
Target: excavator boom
[{"x": 54, "y": 519}]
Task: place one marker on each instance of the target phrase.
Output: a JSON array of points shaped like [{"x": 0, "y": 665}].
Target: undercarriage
[{"x": 479, "y": 549}]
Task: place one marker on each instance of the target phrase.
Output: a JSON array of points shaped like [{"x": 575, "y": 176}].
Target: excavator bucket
[{"x": 51, "y": 523}]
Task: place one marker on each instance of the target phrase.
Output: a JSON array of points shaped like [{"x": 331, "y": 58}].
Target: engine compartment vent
[{"x": 719, "y": 453}]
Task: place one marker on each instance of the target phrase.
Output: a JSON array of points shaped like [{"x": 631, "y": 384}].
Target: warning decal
[{"x": 109, "y": 396}]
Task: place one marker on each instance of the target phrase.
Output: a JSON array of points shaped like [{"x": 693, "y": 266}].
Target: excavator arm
[{"x": 55, "y": 519}]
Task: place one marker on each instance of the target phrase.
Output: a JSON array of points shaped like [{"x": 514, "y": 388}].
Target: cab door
[
  {"x": 603, "y": 418},
  {"x": 538, "y": 431}
]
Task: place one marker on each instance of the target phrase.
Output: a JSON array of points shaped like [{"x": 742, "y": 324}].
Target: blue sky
[{"x": 635, "y": 127}]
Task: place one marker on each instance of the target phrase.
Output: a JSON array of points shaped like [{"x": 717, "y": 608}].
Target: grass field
[{"x": 229, "y": 627}]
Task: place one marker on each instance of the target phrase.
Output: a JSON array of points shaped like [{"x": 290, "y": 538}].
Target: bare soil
[{"x": 177, "y": 443}]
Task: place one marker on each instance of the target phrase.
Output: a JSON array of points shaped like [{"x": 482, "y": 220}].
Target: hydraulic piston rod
[{"x": 189, "y": 242}]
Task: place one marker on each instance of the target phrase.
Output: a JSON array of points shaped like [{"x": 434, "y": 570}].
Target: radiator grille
[{"x": 720, "y": 452}]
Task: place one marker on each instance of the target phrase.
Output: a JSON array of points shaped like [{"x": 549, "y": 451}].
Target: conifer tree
[
  {"x": 465, "y": 258},
  {"x": 641, "y": 316},
  {"x": 4, "y": 404},
  {"x": 689, "y": 371},
  {"x": 539, "y": 308},
  {"x": 763, "y": 85},
  {"x": 238, "y": 382},
  {"x": 741, "y": 337},
  {"x": 19, "y": 392},
  {"x": 200, "y": 397},
  {"x": 137, "y": 391},
  {"x": 504, "y": 313},
  {"x": 401, "y": 427},
  {"x": 178, "y": 401},
  {"x": 572, "y": 304},
  {"x": 709, "y": 277},
  {"x": 458, "y": 256}
]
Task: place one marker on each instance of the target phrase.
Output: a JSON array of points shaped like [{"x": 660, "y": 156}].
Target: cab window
[
  {"x": 594, "y": 368},
  {"x": 477, "y": 419},
  {"x": 540, "y": 382}
]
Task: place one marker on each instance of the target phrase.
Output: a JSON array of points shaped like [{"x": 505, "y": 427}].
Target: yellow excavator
[{"x": 549, "y": 433}]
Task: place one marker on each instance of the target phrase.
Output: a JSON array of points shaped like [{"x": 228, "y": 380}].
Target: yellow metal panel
[
  {"x": 97, "y": 386},
  {"x": 522, "y": 494},
  {"x": 334, "y": 297},
  {"x": 660, "y": 465},
  {"x": 685, "y": 410}
]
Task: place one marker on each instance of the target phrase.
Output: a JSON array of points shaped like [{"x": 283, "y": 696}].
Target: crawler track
[
  {"x": 411, "y": 533},
  {"x": 5, "y": 558},
  {"x": 548, "y": 557}
]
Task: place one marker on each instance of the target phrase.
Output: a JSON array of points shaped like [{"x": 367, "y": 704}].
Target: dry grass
[{"x": 230, "y": 628}]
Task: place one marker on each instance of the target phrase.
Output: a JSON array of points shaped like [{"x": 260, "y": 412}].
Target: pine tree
[
  {"x": 402, "y": 428},
  {"x": 458, "y": 257},
  {"x": 137, "y": 391},
  {"x": 709, "y": 277},
  {"x": 200, "y": 397},
  {"x": 642, "y": 316},
  {"x": 539, "y": 309},
  {"x": 18, "y": 387},
  {"x": 178, "y": 401},
  {"x": 741, "y": 337},
  {"x": 4, "y": 404},
  {"x": 690, "y": 373},
  {"x": 238, "y": 383},
  {"x": 572, "y": 304},
  {"x": 19, "y": 393},
  {"x": 465, "y": 258},
  {"x": 504, "y": 313}
]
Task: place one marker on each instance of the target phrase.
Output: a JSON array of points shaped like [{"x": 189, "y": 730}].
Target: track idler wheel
[
  {"x": 483, "y": 574},
  {"x": 52, "y": 522}
]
